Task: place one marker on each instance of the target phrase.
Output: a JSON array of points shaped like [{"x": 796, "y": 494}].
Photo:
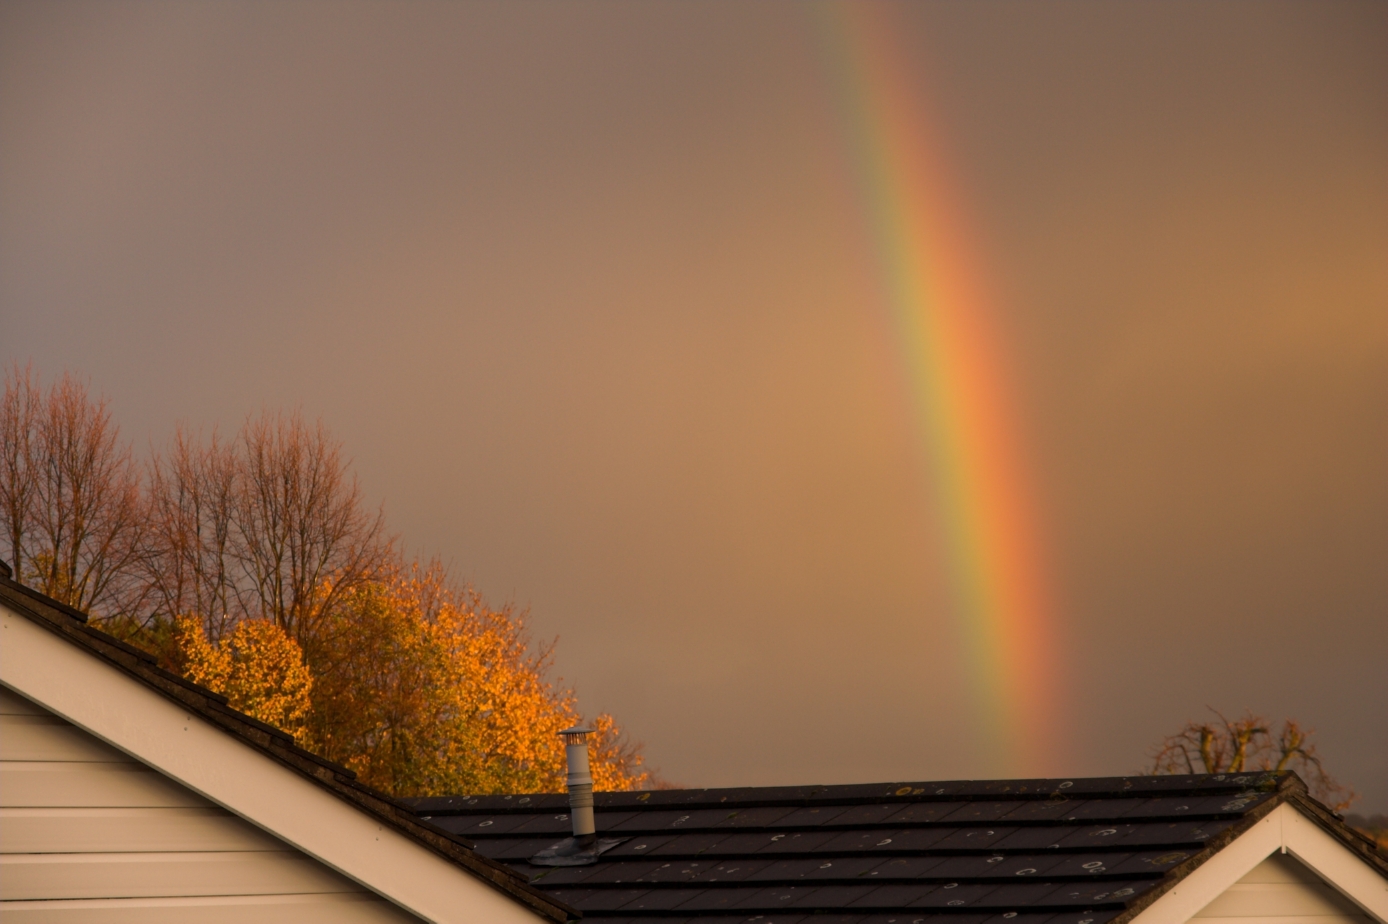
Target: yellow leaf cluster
[
  {"x": 257, "y": 667},
  {"x": 424, "y": 689},
  {"x": 617, "y": 764},
  {"x": 418, "y": 686}
]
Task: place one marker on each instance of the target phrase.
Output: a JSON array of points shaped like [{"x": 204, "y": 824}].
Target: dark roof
[
  {"x": 71, "y": 624},
  {"x": 1005, "y": 851}
]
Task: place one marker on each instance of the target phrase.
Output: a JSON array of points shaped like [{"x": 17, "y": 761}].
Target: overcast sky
[{"x": 581, "y": 288}]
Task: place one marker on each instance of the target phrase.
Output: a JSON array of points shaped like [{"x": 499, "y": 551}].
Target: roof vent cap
[
  {"x": 584, "y": 848},
  {"x": 580, "y": 782}
]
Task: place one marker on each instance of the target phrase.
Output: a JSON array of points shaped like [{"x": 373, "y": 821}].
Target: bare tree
[
  {"x": 19, "y": 414},
  {"x": 306, "y": 540},
  {"x": 271, "y": 526},
  {"x": 1247, "y": 745},
  {"x": 191, "y": 559},
  {"x": 73, "y": 503}
]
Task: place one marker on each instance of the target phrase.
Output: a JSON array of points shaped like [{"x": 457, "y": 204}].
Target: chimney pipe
[{"x": 580, "y": 783}]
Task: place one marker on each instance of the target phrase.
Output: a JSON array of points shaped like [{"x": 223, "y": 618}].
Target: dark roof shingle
[{"x": 965, "y": 852}]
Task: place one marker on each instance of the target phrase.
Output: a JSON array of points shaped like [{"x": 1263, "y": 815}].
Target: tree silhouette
[{"x": 1250, "y": 744}]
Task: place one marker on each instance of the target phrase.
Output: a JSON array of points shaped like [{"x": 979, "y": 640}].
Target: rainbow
[{"x": 941, "y": 312}]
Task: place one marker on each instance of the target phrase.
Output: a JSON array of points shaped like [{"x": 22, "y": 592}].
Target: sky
[{"x": 594, "y": 296}]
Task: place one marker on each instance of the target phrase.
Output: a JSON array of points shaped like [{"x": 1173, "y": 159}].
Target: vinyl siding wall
[
  {"x": 1281, "y": 890},
  {"x": 87, "y": 834}
]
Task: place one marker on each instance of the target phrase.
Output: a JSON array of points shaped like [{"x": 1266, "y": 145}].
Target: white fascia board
[
  {"x": 155, "y": 730},
  {"x": 1333, "y": 862},
  {"x": 1286, "y": 829}
]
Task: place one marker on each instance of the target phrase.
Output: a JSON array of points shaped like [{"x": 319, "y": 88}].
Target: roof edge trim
[{"x": 1285, "y": 827}]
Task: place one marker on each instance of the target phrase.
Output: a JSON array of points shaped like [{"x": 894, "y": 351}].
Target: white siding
[
  {"x": 1281, "y": 890},
  {"x": 88, "y": 834}
]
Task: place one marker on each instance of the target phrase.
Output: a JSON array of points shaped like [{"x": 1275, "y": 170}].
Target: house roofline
[
  {"x": 1333, "y": 824},
  {"x": 1292, "y": 793},
  {"x": 71, "y": 625}
]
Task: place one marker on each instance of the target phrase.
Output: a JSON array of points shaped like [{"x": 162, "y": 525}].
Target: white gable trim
[
  {"x": 120, "y": 710},
  {"x": 1286, "y": 829}
]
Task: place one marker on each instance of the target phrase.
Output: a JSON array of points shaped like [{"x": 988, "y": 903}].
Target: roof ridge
[{"x": 1038, "y": 790}]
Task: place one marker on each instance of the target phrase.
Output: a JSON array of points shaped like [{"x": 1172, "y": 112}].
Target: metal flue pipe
[{"x": 580, "y": 783}]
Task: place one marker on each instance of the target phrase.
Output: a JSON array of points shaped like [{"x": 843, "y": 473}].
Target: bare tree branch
[
  {"x": 304, "y": 538},
  {"x": 19, "y": 414},
  {"x": 1248, "y": 744},
  {"x": 190, "y": 560},
  {"x": 72, "y": 496}
]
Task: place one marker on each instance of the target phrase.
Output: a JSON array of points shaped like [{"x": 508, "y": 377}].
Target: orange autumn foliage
[
  {"x": 424, "y": 689},
  {"x": 257, "y": 667},
  {"x": 617, "y": 764}
]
